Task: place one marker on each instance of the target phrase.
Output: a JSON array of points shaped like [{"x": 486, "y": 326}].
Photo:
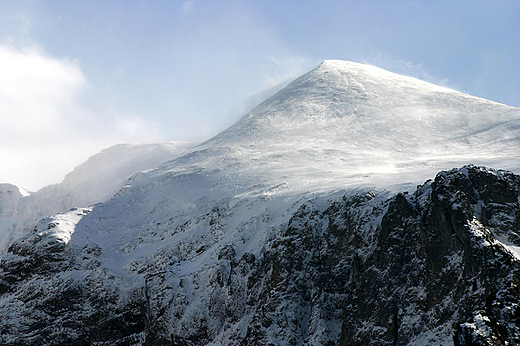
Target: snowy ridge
[{"x": 94, "y": 181}]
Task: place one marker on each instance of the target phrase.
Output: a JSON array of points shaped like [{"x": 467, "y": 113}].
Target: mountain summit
[
  {"x": 293, "y": 227},
  {"x": 357, "y": 125}
]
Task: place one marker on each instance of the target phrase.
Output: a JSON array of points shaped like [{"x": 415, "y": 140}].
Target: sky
[{"x": 80, "y": 76}]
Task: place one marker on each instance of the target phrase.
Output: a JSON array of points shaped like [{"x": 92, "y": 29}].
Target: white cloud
[
  {"x": 46, "y": 128},
  {"x": 34, "y": 92},
  {"x": 187, "y": 7},
  {"x": 136, "y": 129}
]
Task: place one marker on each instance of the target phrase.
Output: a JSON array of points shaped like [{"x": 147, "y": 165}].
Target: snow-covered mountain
[
  {"x": 94, "y": 181},
  {"x": 292, "y": 227}
]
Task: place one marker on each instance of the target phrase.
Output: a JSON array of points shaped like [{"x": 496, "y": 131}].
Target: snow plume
[
  {"x": 407, "y": 68},
  {"x": 47, "y": 129}
]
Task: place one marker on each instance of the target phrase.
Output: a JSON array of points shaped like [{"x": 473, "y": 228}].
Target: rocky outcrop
[
  {"x": 436, "y": 267},
  {"x": 54, "y": 295},
  {"x": 417, "y": 269}
]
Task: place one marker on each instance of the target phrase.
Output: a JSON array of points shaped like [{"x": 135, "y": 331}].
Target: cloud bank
[{"x": 46, "y": 126}]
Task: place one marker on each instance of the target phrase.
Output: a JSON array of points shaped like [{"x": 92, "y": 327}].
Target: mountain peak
[
  {"x": 342, "y": 89},
  {"x": 369, "y": 73},
  {"x": 349, "y": 122}
]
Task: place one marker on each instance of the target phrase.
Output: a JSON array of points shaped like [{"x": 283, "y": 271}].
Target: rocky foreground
[{"x": 436, "y": 267}]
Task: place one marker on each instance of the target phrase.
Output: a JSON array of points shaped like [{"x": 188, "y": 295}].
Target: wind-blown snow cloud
[
  {"x": 223, "y": 55},
  {"x": 46, "y": 129},
  {"x": 407, "y": 68}
]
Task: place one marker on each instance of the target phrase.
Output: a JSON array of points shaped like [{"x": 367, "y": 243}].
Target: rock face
[{"x": 436, "y": 267}]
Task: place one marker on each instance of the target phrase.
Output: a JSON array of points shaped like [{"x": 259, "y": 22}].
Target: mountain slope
[
  {"x": 272, "y": 231},
  {"x": 94, "y": 181},
  {"x": 350, "y": 121}
]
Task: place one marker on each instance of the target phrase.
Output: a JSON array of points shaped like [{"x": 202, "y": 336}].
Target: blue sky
[{"x": 79, "y": 76}]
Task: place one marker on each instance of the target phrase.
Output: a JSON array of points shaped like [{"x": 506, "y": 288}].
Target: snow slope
[
  {"x": 94, "y": 181},
  {"x": 341, "y": 126},
  {"x": 358, "y": 125}
]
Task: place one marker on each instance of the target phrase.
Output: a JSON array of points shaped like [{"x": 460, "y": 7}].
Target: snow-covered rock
[
  {"x": 94, "y": 181},
  {"x": 292, "y": 227}
]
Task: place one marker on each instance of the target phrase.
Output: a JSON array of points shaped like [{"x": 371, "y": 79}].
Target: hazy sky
[{"x": 80, "y": 76}]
